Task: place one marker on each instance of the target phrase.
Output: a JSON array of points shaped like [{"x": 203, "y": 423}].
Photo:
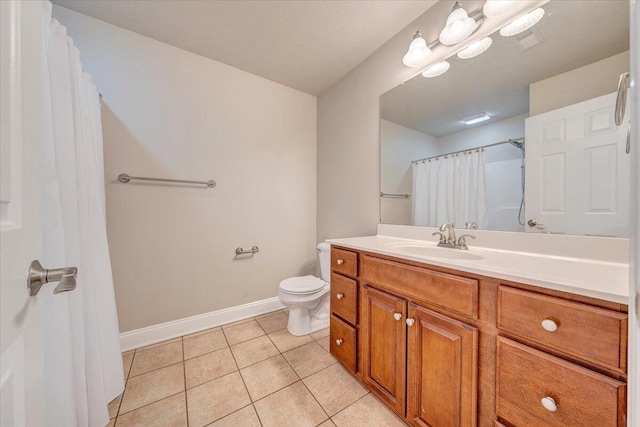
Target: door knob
[
  {"x": 38, "y": 276},
  {"x": 339, "y": 296},
  {"x": 339, "y": 341},
  {"x": 410, "y": 322},
  {"x": 397, "y": 316},
  {"x": 340, "y": 262}
]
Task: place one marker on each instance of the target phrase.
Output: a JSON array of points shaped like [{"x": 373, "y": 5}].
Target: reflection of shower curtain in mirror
[{"x": 450, "y": 189}]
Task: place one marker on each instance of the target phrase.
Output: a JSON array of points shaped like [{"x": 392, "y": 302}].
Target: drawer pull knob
[
  {"x": 397, "y": 316},
  {"x": 339, "y": 341},
  {"x": 339, "y": 296},
  {"x": 340, "y": 262},
  {"x": 549, "y": 404},
  {"x": 410, "y": 322},
  {"x": 549, "y": 325}
]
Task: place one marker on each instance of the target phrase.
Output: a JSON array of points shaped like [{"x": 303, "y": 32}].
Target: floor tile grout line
[
  {"x": 310, "y": 392},
  {"x": 353, "y": 403},
  {"x": 154, "y": 370},
  {"x": 121, "y": 399},
  {"x": 184, "y": 379},
  {"x": 158, "y": 344},
  {"x": 150, "y": 403},
  {"x": 257, "y": 414},
  {"x": 208, "y": 352},
  {"x": 281, "y": 388},
  {"x": 241, "y": 379}
]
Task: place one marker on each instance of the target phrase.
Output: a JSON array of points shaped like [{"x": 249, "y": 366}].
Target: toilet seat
[{"x": 303, "y": 285}]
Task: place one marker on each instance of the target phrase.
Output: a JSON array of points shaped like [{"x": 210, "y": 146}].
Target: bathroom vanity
[{"x": 458, "y": 345}]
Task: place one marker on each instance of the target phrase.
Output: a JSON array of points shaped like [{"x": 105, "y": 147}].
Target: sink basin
[{"x": 431, "y": 251}]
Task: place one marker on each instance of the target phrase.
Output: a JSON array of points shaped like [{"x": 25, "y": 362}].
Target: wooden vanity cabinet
[
  {"x": 384, "y": 346},
  {"x": 343, "y": 326},
  {"x": 419, "y": 358},
  {"x": 441, "y": 370},
  {"x": 444, "y": 348}
]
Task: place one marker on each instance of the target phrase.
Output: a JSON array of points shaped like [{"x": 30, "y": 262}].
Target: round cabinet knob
[
  {"x": 340, "y": 262},
  {"x": 339, "y": 341},
  {"x": 410, "y": 322},
  {"x": 397, "y": 316},
  {"x": 549, "y": 404},
  {"x": 549, "y": 325},
  {"x": 339, "y": 296}
]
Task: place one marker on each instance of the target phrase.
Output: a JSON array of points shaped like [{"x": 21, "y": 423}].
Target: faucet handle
[
  {"x": 442, "y": 238},
  {"x": 470, "y": 225},
  {"x": 462, "y": 240}
]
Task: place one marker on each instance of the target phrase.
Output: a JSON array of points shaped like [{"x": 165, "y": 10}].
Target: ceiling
[
  {"x": 306, "y": 45},
  {"x": 497, "y": 82}
]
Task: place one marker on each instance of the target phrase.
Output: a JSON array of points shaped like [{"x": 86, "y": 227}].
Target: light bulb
[
  {"x": 494, "y": 8},
  {"x": 523, "y": 23},
  {"x": 436, "y": 70},
  {"x": 458, "y": 26},
  {"x": 475, "y": 48},
  {"x": 418, "y": 51}
]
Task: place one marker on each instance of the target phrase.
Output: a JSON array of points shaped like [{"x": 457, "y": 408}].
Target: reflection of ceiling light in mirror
[
  {"x": 523, "y": 23},
  {"x": 494, "y": 8},
  {"x": 418, "y": 51},
  {"x": 476, "y": 118},
  {"x": 458, "y": 27},
  {"x": 436, "y": 70},
  {"x": 475, "y": 48}
]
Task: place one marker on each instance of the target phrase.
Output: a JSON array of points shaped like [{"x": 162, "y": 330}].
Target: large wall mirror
[{"x": 548, "y": 159}]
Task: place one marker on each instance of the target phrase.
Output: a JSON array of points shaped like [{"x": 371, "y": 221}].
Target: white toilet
[{"x": 307, "y": 297}]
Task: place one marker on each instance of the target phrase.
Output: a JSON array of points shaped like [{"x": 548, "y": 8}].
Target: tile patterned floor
[{"x": 248, "y": 373}]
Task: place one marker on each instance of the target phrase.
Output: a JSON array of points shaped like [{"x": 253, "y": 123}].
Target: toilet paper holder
[{"x": 253, "y": 250}]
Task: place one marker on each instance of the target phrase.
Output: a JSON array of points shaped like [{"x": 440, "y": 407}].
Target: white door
[
  {"x": 577, "y": 171},
  {"x": 21, "y": 340}
]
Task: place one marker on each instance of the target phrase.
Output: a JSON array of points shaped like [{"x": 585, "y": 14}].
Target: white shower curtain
[
  {"x": 83, "y": 363},
  {"x": 450, "y": 189}
]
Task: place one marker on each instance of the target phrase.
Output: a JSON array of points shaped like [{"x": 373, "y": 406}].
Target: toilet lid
[{"x": 302, "y": 285}]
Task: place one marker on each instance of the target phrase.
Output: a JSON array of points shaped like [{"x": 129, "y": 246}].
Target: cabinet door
[
  {"x": 441, "y": 371},
  {"x": 384, "y": 346}
]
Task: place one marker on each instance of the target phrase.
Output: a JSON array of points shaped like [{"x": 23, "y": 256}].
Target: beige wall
[
  {"x": 170, "y": 113},
  {"x": 348, "y": 156},
  {"x": 581, "y": 84}
]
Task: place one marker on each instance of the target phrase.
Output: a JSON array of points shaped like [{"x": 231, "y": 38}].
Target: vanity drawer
[
  {"x": 459, "y": 294},
  {"x": 344, "y": 297},
  {"x": 590, "y": 333},
  {"x": 345, "y": 262},
  {"x": 342, "y": 343},
  {"x": 581, "y": 397}
]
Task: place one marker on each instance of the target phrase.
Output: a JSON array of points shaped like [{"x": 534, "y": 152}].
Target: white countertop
[{"x": 598, "y": 279}]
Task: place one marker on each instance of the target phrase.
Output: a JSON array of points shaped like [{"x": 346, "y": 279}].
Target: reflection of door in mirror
[
  {"x": 546, "y": 74},
  {"x": 577, "y": 170}
]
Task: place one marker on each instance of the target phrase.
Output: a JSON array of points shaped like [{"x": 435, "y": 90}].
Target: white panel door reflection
[{"x": 577, "y": 171}]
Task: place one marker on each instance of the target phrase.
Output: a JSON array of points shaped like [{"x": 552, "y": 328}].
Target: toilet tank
[{"x": 324, "y": 253}]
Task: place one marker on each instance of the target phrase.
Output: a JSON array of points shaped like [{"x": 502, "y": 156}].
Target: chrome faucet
[
  {"x": 450, "y": 240},
  {"x": 450, "y": 227}
]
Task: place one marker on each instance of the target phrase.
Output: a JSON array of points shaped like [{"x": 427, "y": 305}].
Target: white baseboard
[{"x": 165, "y": 331}]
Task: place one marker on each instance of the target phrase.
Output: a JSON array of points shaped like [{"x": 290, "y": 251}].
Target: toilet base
[{"x": 301, "y": 323}]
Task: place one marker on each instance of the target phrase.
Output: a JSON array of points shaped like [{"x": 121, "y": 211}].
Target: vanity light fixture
[
  {"x": 459, "y": 26},
  {"x": 477, "y": 118},
  {"x": 495, "y": 8},
  {"x": 436, "y": 70},
  {"x": 523, "y": 23},
  {"x": 418, "y": 51},
  {"x": 475, "y": 48}
]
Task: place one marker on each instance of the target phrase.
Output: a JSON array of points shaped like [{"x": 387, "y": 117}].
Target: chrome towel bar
[
  {"x": 253, "y": 250},
  {"x": 395, "y": 196},
  {"x": 124, "y": 178}
]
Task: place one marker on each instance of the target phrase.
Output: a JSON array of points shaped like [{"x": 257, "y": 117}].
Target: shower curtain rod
[{"x": 469, "y": 149}]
